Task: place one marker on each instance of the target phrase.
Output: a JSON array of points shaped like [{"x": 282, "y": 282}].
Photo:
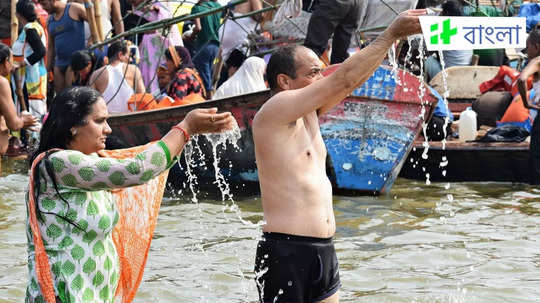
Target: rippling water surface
[{"x": 472, "y": 242}]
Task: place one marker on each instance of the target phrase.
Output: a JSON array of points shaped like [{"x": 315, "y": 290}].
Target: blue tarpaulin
[{"x": 531, "y": 11}]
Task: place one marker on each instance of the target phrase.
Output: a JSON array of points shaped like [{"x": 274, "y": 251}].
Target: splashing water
[
  {"x": 216, "y": 140},
  {"x": 393, "y": 62},
  {"x": 445, "y": 95},
  {"x": 421, "y": 58}
]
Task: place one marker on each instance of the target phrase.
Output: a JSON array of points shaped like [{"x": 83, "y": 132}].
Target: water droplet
[{"x": 289, "y": 283}]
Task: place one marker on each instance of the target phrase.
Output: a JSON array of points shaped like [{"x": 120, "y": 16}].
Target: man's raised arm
[
  {"x": 529, "y": 70},
  {"x": 290, "y": 105}
]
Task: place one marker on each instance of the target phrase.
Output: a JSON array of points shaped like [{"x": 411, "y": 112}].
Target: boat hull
[
  {"x": 460, "y": 162},
  {"x": 368, "y": 135}
]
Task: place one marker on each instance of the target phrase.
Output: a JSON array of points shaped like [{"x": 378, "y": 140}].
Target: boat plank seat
[{"x": 463, "y": 81}]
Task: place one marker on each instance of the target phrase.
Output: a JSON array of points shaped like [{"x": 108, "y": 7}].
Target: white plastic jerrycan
[{"x": 467, "y": 125}]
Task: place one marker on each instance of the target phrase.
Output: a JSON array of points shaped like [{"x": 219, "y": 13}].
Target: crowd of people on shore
[{"x": 154, "y": 69}]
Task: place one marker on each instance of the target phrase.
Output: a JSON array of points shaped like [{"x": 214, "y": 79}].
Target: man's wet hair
[
  {"x": 282, "y": 62},
  {"x": 534, "y": 35},
  {"x": 116, "y": 48}
]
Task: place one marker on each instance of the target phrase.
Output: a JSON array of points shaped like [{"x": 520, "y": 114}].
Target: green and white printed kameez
[{"x": 83, "y": 258}]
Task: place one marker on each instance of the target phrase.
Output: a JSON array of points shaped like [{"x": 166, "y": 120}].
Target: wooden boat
[
  {"x": 368, "y": 135},
  {"x": 467, "y": 161}
]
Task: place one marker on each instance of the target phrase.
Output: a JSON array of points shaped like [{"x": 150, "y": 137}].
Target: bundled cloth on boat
[{"x": 505, "y": 133}]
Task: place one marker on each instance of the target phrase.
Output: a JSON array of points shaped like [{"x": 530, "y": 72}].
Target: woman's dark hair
[
  {"x": 5, "y": 51},
  {"x": 116, "y": 48},
  {"x": 80, "y": 59},
  {"x": 69, "y": 109},
  {"x": 281, "y": 62},
  {"x": 26, "y": 9},
  {"x": 183, "y": 53},
  {"x": 452, "y": 8}
]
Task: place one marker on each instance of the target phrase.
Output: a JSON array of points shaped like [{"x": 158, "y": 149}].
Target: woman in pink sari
[{"x": 153, "y": 44}]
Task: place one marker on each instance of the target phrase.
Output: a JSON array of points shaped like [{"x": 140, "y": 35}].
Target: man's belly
[{"x": 304, "y": 209}]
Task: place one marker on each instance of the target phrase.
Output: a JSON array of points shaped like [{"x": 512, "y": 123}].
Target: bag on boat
[
  {"x": 505, "y": 80},
  {"x": 491, "y": 107}
]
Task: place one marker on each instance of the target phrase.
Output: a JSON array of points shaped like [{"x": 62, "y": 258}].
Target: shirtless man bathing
[{"x": 296, "y": 261}]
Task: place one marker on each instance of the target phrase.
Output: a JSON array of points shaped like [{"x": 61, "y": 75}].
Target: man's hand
[{"x": 406, "y": 23}]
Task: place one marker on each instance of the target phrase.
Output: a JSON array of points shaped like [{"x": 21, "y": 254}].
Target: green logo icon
[{"x": 447, "y": 32}]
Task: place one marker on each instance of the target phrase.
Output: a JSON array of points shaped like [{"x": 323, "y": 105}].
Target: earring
[{"x": 73, "y": 132}]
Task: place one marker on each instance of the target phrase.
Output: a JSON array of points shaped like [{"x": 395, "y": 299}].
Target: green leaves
[
  {"x": 158, "y": 159},
  {"x": 133, "y": 168},
  {"x": 68, "y": 268},
  {"x": 77, "y": 283},
  {"x": 117, "y": 178},
  {"x": 87, "y": 173},
  {"x": 104, "y": 223},
  {"x": 89, "y": 236},
  {"x": 98, "y": 248},
  {"x": 98, "y": 279},
  {"x": 48, "y": 204},
  {"x": 77, "y": 252},
  {"x": 103, "y": 165},
  {"x": 65, "y": 243},
  {"x": 92, "y": 209},
  {"x": 75, "y": 159},
  {"x": 70, "y": 180},
  {"x": 53, "y": 231},
  {"x": 104, "y": 293},
  {"x": 89, "y": 266},
  {"x": 58, "y": 164},
  {"x": 147, "y": 175}
]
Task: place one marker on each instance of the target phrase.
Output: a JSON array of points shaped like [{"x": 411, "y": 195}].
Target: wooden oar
[
  {"x": 90, "y": 16},
  {"x": 14, "y": 22},
  {"x": 99, "y": 25}
]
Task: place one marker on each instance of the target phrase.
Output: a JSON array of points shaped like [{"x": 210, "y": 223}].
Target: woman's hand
[
  {"x": 207, "y": 120},
  {"x": 28, "y": 119}
]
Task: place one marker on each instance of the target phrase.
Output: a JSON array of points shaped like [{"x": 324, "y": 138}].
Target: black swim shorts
[{"x": 295, "y": 269}]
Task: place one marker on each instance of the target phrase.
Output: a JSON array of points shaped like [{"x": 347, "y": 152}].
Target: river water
[{"x": 473, "y": 242}]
